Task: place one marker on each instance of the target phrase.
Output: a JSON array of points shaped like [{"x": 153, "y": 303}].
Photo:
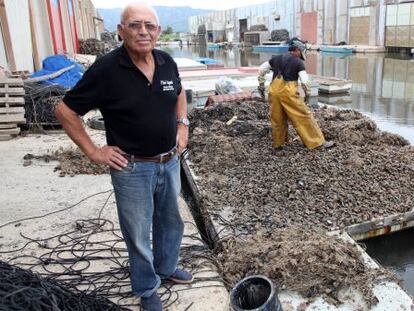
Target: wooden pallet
[
  {"x": 11, "y": 107},
  {"x": 11, "y": 110},
  {"x": 19, "y": 74},
  {"x": 12, "y": 118},
  {"x": 8, "y": 134},
  {"x": 11, "y": 92},
  {"x": 4, "y": 126}
]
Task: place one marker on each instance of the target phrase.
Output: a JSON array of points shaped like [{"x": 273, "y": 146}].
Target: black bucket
[{"x": 255, "y": 293}]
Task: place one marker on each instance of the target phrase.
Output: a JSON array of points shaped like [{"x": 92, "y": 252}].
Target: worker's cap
[{"x": 301, "y": 46}]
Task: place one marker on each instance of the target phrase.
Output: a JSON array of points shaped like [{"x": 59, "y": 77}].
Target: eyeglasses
[{"x": 138, "y": 26}]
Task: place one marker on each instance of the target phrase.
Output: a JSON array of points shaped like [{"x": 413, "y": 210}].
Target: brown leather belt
[{"x": 159, "y": 158}]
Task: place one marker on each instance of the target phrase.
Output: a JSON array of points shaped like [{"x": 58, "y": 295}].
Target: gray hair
[{"x": 142, "y": 5}]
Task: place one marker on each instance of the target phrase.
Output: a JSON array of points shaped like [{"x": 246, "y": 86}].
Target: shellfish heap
[{"x": 262, "y": 194}]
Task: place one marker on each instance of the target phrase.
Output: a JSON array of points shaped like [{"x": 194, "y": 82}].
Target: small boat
[
  {"x": 207, "y": 61},
  {"x": 280, "y": 48},
  {"x": 333, "y": 49}
]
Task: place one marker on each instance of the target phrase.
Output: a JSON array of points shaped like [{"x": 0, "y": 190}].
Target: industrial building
[
  {"x": 32, "y": 30},
  {"x": 388, "y": 23}
]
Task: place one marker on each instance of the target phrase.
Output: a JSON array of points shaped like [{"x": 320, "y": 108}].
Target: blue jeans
[{"x": 147, "y": 195}]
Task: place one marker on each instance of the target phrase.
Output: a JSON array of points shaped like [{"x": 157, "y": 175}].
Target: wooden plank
[
  {"x": 36, "y": 58},
  {"x": 13, "y": 131},
  {"x": 12, "y": 90},
  {"x": 19, "y": 74},
  {"x": 12, "y": 118},
  {"x": 4, "y": 110},
  {"x": 11, "y": 81},
  {"x": 7, "y": 125},
  {"x": 7, "y": 37},
  {"x": 381, "y": 226},
  {"x": 12, "y": 101}
]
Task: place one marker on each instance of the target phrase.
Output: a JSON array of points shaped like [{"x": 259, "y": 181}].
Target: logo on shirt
[{"x": 167, "y": 85}]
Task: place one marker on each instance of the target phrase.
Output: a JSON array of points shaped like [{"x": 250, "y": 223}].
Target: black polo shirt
[
  {"x": 287, "y": 65},
  {"x": 140, "y": 117}
]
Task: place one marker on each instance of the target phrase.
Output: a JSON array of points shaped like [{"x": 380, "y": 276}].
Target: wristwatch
[{"x": 184, "y": 121}]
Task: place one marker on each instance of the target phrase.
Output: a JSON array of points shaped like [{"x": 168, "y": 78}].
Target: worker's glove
[{"x": 262, "y": 91}]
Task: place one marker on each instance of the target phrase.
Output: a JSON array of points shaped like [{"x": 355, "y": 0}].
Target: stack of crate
[{"x": 11, "y": 107}]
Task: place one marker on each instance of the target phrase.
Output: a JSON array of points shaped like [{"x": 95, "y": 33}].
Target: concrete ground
[{"x": 34, "y": 190}]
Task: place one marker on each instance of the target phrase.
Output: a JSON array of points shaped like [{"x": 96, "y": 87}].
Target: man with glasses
[{"x": 138, "y": 91}]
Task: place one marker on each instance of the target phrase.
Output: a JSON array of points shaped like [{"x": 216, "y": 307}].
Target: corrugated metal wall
[
  {"x": 78, "y": 19},
  {"x": 3, "y": 56},
  {"x": 309, "y": 27},
  {"x": 56, "y": 26},
  {"x": 329, "y": 31},
  {"x": 73, "y": 28},
  {"x": 70, "y": 49},
  {"x": 19, "y": 24},
  {"x": 42, "y": 29},
  {"x": 337, "y": 20},
  {"x": 342, "y": 21},
  {"x": 254, "y": 14}
]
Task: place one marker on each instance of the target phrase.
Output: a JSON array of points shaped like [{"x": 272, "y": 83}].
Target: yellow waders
[{"x": 285, "y": 103}]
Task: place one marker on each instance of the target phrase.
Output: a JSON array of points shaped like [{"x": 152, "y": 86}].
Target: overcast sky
[{"x": 198, "y": 4}]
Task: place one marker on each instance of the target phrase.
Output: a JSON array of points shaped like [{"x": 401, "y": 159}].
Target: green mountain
[{"x": 176, "y": 17}]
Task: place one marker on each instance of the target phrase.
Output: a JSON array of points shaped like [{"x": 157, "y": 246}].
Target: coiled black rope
[
  {"x": 91, "y": 259},
  {"x": 23, "y": 290}
]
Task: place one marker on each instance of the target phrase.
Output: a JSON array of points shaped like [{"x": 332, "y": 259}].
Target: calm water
[
  {"x": 383, "y": 85},
  {"x": 395, "y": 252}
]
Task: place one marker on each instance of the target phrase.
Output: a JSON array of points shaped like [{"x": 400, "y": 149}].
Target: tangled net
[
  {"x": 40, "y": 101},
  {"x": 24, "y": 290}
]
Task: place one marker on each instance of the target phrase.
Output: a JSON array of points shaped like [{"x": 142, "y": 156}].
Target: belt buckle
[
  {"x": 168, "y": 155},
  {"x": 163, "y": 156}
]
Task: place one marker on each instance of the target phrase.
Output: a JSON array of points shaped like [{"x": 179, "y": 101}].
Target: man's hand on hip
[
  {"x": 110, "y": 155},
  {"x": 182, "y": 137}
]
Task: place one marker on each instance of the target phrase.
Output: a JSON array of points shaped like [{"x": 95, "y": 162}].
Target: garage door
[
  {"x": 399, "y": 31},
  {"x": 359, "y": 26}
]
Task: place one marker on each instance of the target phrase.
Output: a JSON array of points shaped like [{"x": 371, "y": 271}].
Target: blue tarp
[{"x": 55, "y": 63}]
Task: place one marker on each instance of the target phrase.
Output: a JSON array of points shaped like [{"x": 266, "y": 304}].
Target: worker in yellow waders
[{"x": 285, "y": 102}]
